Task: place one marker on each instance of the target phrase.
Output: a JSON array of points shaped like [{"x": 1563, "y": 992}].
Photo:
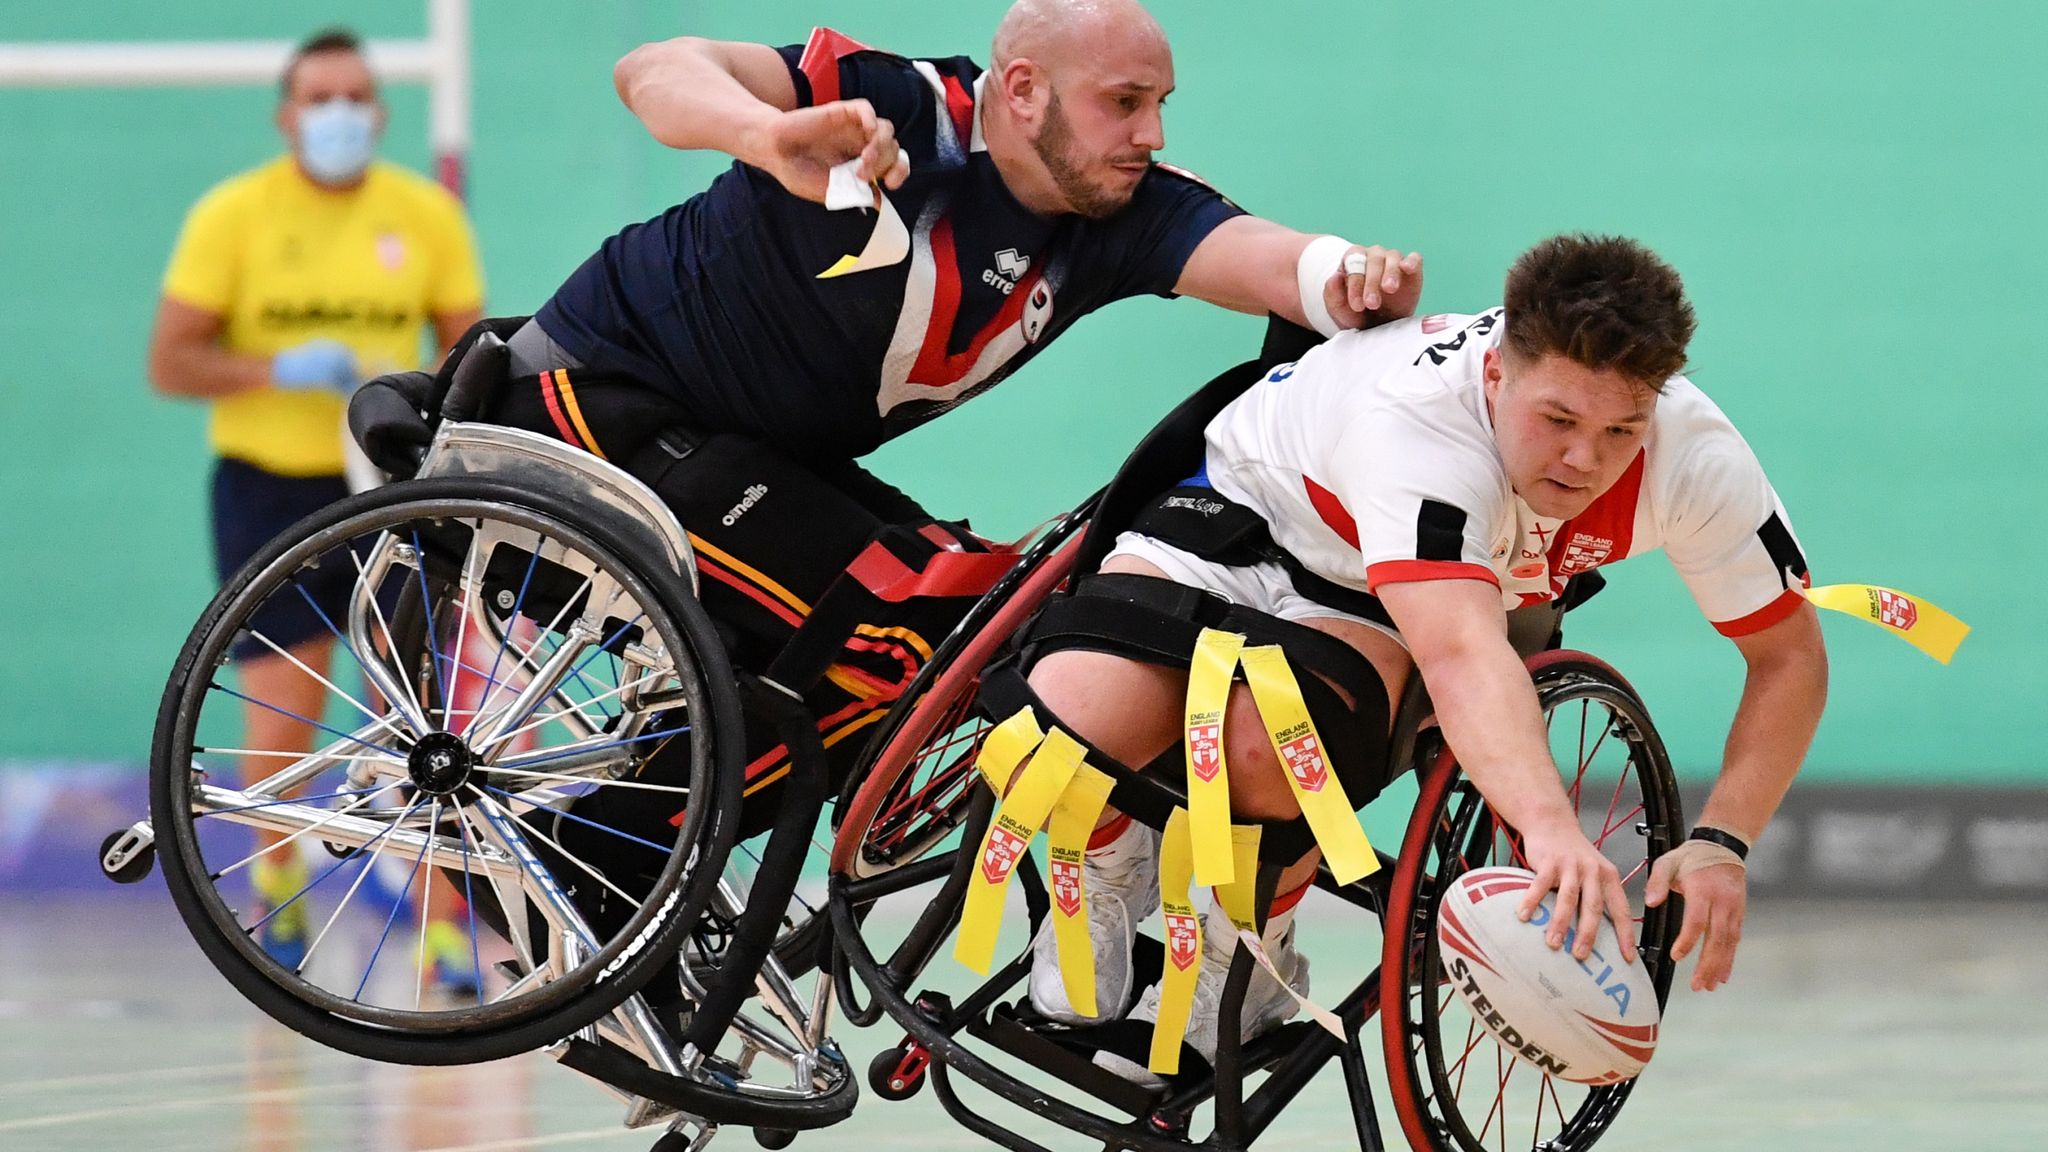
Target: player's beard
[{"x": 1068, "y": 166}]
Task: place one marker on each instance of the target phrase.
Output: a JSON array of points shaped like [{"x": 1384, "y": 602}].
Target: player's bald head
[{"x": 1057, "y": 34}]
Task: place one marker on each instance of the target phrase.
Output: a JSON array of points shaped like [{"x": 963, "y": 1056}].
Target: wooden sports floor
[{"x": 1846, "y": 1027}]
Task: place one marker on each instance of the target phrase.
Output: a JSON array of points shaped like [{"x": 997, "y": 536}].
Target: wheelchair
[
  {"x": 540, "y": 689},
  {"x": 912, "y": 818}
]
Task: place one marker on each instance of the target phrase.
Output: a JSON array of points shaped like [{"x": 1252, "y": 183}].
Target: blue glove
[{"x": 315, "y": 365}]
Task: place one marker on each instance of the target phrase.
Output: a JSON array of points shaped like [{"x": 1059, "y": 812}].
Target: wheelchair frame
[
  {"x": 625, "y": 1051},
  {"x": 661, "y": 1080},
  {"x": 1291, "y": 1055}
]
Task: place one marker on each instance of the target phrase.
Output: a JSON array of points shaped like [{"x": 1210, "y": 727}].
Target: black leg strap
[
  {"x": 1158, "y": 621},
  {"x": 1151, "y": 792}
]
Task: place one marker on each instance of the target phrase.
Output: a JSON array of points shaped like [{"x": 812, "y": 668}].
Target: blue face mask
[{"x": 337, "y": 140}]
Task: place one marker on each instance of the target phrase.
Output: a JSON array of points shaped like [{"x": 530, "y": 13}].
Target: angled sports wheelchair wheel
[
  {"x": 1457, "y": 1089},
  {"x": 522, "y": 697}
]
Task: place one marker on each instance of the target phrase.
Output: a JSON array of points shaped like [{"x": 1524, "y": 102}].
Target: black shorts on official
[{"x": 251, "y": 506}]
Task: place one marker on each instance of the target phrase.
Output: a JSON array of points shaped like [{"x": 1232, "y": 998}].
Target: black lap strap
[
  {"x": 1158, "y": 621},
  {"x": 1200, "y": 520}
]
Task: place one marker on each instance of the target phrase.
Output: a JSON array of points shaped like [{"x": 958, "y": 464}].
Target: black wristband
[{"x": 1727, "y": 840}]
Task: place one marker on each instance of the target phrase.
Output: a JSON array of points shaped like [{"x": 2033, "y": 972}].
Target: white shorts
[{"x": 1263, "y": 587}]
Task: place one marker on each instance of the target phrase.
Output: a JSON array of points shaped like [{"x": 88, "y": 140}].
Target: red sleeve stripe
[
  {"x": 1764, "y": 617},
  {"x": 820, "y": 62},
  {"x": 1410, "y": 571}
]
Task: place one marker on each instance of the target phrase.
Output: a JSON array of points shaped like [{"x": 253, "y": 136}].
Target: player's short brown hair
[
  {"x": 1603, "y": 302},
  {"x": 319, "y": 43}
]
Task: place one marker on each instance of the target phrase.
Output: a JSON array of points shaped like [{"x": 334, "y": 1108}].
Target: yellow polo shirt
[{"x": 285, "y": 261}]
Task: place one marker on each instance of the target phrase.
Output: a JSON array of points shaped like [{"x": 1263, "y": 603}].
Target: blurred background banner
[{"x": 1852, "y": 192}]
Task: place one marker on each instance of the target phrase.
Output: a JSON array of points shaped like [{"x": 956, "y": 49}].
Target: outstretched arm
[
  {"x": 1782, "y": 697},
  {"x": 1252, "y": 265},
  {"x": 1486, "y": 705}
]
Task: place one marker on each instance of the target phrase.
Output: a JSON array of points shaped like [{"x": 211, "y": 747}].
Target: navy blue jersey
[{"x": 717, "y": 301}]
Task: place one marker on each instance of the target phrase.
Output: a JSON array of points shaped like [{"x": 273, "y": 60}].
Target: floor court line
[
  {"x": 142, "y": 1076},
  {"x": 645, "y": 1135},
  {"x": 264, "y": 1096}
]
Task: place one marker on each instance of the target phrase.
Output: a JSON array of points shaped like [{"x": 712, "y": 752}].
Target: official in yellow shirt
[{"x": 290, "y": 285}]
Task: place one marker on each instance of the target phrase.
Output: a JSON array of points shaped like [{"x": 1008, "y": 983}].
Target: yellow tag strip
[
  {"x": 1183, "y": 945},
  {"x": 1016, "y": 821},
  {"x": 1073, "y": 821},
  {"x": 1910, "y": 618},
  {"x": 1005, "y": 747},
  {"x": 1239, "y": 899},
  {"x": 1302, "y": 757},
  {"x": 1208, "y": 775}
]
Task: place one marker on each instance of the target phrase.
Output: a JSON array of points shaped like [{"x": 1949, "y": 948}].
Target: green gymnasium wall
[{"x": 1852, "y": 190}]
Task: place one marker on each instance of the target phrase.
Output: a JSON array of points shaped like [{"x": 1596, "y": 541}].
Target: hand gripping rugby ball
[{"x": 1591, "y": 1021}]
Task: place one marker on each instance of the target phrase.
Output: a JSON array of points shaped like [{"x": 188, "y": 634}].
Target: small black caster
[
  {"x": 898, "y": 1073},
  {"x": 774, "y": 1138},
  {"x": 134, "y": 868}
]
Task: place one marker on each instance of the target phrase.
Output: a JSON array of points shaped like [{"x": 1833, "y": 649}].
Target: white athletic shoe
[
  {"x": 1120, "y": 884},
  {"x": 1266, "y": 1004}
]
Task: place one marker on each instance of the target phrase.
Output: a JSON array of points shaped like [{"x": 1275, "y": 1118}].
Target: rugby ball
[{"x": 1591, "y": 1021}]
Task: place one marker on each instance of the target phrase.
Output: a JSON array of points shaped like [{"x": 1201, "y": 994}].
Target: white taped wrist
[
  {"x": 1319, "y": 261},
  {"x": 1694, "y": 855}
]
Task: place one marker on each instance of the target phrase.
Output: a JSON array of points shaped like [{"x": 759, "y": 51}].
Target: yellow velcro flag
[
  {"x": 1016, "y": 821},
  {"x": 1908, "y": 617},
  {"x": 1183, "y": 946},
  {"x": 1208, "y": 775},
  {"x": 1239, "y": 898},
  {"x": 1303, "y": 759},
  {"x": 1073, "y": 821}
]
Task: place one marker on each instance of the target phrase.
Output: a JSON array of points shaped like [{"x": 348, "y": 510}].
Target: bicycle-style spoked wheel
[
  {"x": 1456, "y": 1088},
  {"x": 514, "y": 764}
]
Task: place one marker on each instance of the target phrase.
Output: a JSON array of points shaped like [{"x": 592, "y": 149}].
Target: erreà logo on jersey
[
  {"x": 1037, "y": 312},
  {"x": 1010, "y": 268}
]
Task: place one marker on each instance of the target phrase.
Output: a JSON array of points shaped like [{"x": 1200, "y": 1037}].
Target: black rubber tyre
[
  {"x": 1430, "y": 1040},
  {"x": 630, "y": 955}
]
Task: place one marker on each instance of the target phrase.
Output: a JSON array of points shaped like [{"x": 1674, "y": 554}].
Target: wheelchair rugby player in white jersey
[{"x": 1418, "y": 481}]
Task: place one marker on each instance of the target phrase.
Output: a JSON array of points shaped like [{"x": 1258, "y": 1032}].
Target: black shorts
[
  {"x": 250, "y": 507},
  {"x": 770, "y": 533},
  {"x": 771, "y": 536}
]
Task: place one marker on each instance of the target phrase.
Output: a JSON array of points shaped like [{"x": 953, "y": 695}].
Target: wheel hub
[{"x": 440, "y": 763}]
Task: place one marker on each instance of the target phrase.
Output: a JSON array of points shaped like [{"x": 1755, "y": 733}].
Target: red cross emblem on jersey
[
  {"x": 1896, "y": 610},
  {"x": 1205, "y": 750},
  {"x": 1004, "y": 849},
  {"x": 1304, "y": 759},
  {"x": 1066, "y": 886},
  {"x": 1180, "y": 939}
]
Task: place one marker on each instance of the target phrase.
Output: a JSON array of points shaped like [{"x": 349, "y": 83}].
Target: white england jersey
[{"x": 1373, "y": 460}]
